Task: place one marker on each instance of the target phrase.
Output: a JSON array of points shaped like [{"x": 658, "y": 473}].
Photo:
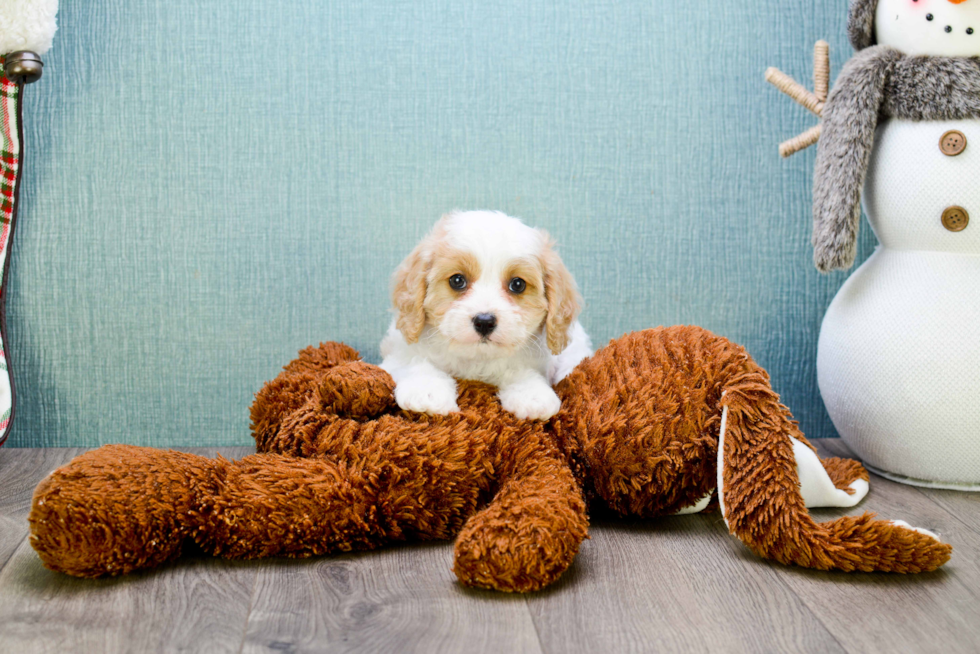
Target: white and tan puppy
[{"x": 483, "y": 297}]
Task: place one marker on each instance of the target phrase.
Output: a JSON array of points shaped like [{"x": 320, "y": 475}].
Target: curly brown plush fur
[{"x": 342, "y": 468}]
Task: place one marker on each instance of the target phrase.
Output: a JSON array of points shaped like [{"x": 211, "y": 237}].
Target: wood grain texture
[
  {"x": 937, "y": 611},
  {"x": 198, "y": 604},
  {"x": 964, "y": 506},
  {"x": 403, "y": 599},
  {"x": 674, "y": 585}
]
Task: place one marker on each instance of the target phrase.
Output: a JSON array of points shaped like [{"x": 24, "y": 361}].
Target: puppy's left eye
[
  {"x": 457, "y": 282},
  {"x": 517, "y": 285}
]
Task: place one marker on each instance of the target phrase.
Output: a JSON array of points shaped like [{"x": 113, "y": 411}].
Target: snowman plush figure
[{"x": 898, "y": 360}]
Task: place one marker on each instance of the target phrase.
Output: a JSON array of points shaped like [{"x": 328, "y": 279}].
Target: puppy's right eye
[{"x": 457, "y": 282}]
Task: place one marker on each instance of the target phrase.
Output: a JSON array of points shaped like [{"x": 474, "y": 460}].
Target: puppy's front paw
[
  {"x": 425, "y": 394},
  {"x": 532, "y": 399}
]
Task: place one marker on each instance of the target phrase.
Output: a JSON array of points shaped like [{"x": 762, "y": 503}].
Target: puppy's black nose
[{"x": 484, "y": 323}]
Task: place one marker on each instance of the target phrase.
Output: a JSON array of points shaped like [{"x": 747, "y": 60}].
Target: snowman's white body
[{"x": 898, "y": 360}]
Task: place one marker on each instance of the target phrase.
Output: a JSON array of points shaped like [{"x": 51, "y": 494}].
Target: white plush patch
[
  {"x": 701, "y": 505},
  {"x": 721, "y": 463},
  {"x": 815, "y": 484},
  {"x": 27, "y": 25},
  {"x": 929, "y": 27},
  {"x": 902, "y": 523}
]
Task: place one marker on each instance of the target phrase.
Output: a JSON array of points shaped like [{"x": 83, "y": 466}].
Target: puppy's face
[{"x": 487, "y": 283}]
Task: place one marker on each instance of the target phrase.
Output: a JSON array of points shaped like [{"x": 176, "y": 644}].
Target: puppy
[{"x": 483, "y": 297}]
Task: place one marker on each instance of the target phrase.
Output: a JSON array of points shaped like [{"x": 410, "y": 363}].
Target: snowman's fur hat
[{"x": 861, "y": 23}]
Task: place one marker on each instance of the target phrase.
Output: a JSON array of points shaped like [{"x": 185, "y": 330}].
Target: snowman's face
[{"x": 947, "y": 28}]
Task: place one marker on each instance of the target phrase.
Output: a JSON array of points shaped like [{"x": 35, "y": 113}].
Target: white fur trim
[
  {"x": 815, "y": 484},
  {"x": 902, "y": 523},
  {"x": 27, "y": 25},
  {"x": 721, "y": 463},
  {"x": 701, "y": 505}
]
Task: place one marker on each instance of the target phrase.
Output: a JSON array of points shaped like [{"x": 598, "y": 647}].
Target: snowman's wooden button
[
  {"x": 952, "y": 142},
  {"x": 955, "y": 219}
]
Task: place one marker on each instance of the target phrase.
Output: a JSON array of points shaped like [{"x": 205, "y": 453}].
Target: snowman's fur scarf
[{"x": 878, "y": 82}]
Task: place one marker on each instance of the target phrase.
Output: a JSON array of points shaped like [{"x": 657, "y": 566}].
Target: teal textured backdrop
[{"x": 211, "y": 186}]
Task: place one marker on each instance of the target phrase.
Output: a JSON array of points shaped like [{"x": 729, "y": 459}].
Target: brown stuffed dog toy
[{"x": 651, "y": 425}]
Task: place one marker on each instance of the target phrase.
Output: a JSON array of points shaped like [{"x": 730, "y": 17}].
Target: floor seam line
[{"x": 248, "y": 613}]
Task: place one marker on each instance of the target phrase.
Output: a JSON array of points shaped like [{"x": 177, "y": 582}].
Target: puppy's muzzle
[{"x": 484, "y": 324}]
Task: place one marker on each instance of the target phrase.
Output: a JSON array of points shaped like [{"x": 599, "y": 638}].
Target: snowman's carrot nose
[{"x": 956, "y": 2}]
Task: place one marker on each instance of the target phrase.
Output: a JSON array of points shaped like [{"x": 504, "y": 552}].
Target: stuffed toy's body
[
  {"x": 898, "y": 359},
  {"x": 651, "y": 425}
]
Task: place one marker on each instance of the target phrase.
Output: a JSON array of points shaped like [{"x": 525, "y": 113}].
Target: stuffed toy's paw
[{"x": 118, "y": 509}]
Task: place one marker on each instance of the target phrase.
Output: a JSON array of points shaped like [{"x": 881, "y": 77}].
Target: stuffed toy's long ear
[
  {"x": 849, "y": 121},
  {"x": 768, "y": 475},
  {"x": 409, "y": 286},
  {"x": 564, "y": 301},
  {"x": 861, "y": 23}
]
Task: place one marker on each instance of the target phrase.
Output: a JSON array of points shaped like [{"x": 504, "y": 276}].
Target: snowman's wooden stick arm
[
  {"x": 813, "y": 101},
  {"x": 821, "y": 70},
  {"x": 794, "y": 89},
  {"x": 801, "y": 141}
]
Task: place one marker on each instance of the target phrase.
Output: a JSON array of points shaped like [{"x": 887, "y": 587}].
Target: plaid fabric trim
[{"x": 9, "y": 165}]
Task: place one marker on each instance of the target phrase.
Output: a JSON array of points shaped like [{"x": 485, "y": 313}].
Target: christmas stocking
[{"x": 27, "y": 28}]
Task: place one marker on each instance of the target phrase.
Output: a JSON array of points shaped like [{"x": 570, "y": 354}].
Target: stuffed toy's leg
[
  {"x": 119, "y": 508},
  {"x": 767, "y": 476},
  {"x": 122, "y": 508},
  {"x": 531, "y": 531}
]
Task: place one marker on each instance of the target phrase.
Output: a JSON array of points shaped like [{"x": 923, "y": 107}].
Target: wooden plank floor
[{"x": 672, "y": 585}]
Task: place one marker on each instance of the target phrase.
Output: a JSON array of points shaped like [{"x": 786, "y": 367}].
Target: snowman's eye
[
  {"x": 969, "y": 30},
  {"x": 929, "y": 16}
]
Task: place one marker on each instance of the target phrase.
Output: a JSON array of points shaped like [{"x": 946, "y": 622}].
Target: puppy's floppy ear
[
  {"x": 564, "y": 302},
  {"x": 408, "y": 292}
]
